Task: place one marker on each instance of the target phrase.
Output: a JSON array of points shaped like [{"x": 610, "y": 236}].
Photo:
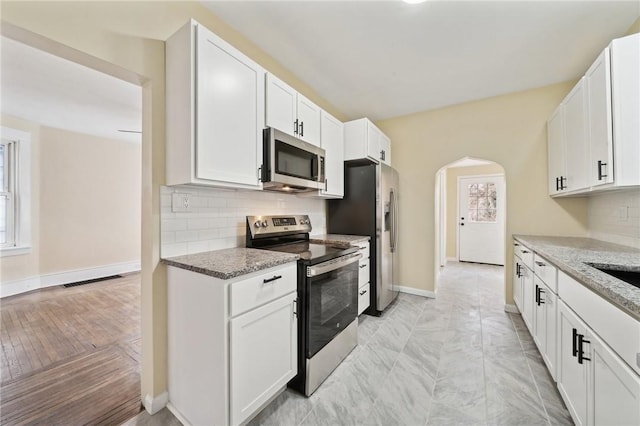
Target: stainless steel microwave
[{"x": 290, "y": 164}]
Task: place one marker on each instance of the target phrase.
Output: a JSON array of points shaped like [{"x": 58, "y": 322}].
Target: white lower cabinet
[
  {"x": 545, "y": 306},
  {"x": 572, "y": 374},
  {"x": 232, "y": 344},
  {"x": 528, "y": 296},
  {"x": 269, "y": 331},
  {"x": 517, "y": 283},
  {"x": 589, "y": 345},
  {"x": 363, "y": 278},
  {"x": 615, "y": 389},
  {"x": 598, "y": 387}
]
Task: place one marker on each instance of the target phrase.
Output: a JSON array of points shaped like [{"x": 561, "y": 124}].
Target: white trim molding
[
  {"x": 154, "y": 404},
  {"x": 416, "y": 291},
  {"x": 511, "y": 309},
  {"x": 452, "y": 259},
  {"x": 11, "y": 288}
]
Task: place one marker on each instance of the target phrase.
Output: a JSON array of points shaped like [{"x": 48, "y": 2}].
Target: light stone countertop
[
  {"x": 230, "y": 263},
  {"x": 338, "y": 239},
  {"x": 574, "y": 256}
]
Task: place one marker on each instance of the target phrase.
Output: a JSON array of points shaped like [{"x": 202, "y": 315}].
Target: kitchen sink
[{"x": 631, "y": 277}]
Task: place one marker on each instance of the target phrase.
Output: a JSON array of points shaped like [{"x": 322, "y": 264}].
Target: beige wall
[
  {"x": 509, "y": 130},
  {"x": 89, "y": 201},
  {"x": 453, "y": 173},
  {"x": 86, "y": 203},
  {"x": 131, "y": 35},
  {"x": 26, "y": 265}
]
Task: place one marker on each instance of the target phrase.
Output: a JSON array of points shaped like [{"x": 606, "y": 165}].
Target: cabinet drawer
[
  {"x": 363, "y": 298},
  {"x": 364, "y": 248},
  {"x": 524, "y": 254},
  {"x": 546, "y": 272},
  {"x": 363, "y": 272},
  {"x": 618, "y": 329},
  {"x": 262, "y": 288}
]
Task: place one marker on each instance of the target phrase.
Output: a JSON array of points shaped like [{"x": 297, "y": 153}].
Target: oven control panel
[{"x": 264, "y": 226}]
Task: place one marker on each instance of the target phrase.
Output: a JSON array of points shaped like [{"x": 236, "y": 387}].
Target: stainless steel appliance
[
  {"x": 289, "y": 164},
  {"x": 370, "y": 207},
  {"x": 327, "y": 292}
]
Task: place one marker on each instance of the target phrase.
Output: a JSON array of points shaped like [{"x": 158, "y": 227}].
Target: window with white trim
[
  {"x": 15, "y": 192},
  {"x": 7, "y": 193}
]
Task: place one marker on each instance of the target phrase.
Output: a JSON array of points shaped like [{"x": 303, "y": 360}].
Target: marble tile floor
[{"x": 457, "y": 359}]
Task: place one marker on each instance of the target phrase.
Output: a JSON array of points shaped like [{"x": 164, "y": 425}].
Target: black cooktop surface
[{"x": 313, "y": 252}]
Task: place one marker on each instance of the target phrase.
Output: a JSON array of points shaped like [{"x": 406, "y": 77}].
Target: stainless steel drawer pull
[
  {"x": 526, "y": 251},
  {"x": 540, "y": 263},
  {"x": 274, "y": 278},
  {"x": 363, "y": 266},
  {"x": 363, "y": 292}
]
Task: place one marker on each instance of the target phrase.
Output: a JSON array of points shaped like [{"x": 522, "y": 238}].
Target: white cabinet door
[
  {"x": 517, "y": 283},
  {"x": 385, "y": 149},
  {"x": 551, "y": 314},
  {"x": 615, "y": 388},
  {"x": 332, "y": 141},
  {"x": 571, "y": 375},
  {"x": 539, "y": 316},
  {"x": 599, "y": 121},
  {"x": 373, "y": 135},
  {"x": 308, "y": 120},
  {"x": 281, "y": 101},
  {"x": 263, "y": 355},
  {"x": 363, "y": 298},
  {"x": 229, "y": 114},
  {"x": 556, "y": 151},
  {"x": 528, "y": 298},
  {"x": 576, "y": 138}
]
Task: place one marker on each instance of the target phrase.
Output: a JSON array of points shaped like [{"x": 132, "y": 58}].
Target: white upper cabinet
[
  {"x": 385, "y": 149},
  {"x": 599, "y": 128},
  {"x": 625, "y": 96},
  {"x": 599, "y": 121},
  {"x": 575, "y": 130},
  {"x": 215, "y": 111},
  {"x": 556, "y": 151},
  {"x": 290, "y": 112},
  {"x": 332, "y": 141},
  {"x": 362, "y": 139}
]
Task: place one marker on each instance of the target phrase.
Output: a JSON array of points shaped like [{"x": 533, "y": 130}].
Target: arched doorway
[{"x": 483, "y": 204}]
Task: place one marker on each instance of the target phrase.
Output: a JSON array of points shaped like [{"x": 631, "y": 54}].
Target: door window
[{"x": 482, "y": 202}]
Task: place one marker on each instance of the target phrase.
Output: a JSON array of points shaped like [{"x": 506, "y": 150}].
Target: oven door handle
[{"x": 332, "y": 265}]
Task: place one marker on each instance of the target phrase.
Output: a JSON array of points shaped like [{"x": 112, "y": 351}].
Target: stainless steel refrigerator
[{"x": 370, "y": 207}]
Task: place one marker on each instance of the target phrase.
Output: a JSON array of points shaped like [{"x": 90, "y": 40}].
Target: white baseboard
[
  {"x": 452, "y": 259},
  {"x": 511, "y": 309},
  {"x": 416, "y": 291},
  {"x": 154, "y": 404},
  {"x": 178, "y": 414},
  {"x": 11, "y": 288}
]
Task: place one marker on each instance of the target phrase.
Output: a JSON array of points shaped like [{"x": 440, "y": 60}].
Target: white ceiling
[
  {"x": 55, "y": 92},
  {"x": 384, "y": 59}
]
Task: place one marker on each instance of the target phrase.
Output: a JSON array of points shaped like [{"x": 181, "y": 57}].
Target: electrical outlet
[
  {"x": 180, "y": 202},
  {"x": 623, "y": 213}
]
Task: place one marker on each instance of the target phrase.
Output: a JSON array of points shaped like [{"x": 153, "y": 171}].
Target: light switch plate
[{"x": 180, "y": 202}]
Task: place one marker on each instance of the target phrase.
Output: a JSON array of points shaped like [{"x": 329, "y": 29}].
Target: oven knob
[
  {"x": 257, "y": 224},
  {"x": 265, "y": 223}
]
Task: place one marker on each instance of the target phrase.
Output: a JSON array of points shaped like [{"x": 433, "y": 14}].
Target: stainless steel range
[{"x": 327, "y": 292}]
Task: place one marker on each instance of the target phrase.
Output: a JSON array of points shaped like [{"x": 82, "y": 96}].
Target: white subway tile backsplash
[
  {"x": 217, "y": 217},
  {"x": 615, "y": 217}
]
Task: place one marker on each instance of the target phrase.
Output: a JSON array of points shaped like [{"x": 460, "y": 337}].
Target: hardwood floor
[{"x": 71, "y": 355}]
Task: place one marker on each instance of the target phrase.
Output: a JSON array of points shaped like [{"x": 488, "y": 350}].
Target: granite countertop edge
[
  {"x": 340, "y": 239},
  {"x": 226, "y": 264},
  {"x": 577, "y": 262}
]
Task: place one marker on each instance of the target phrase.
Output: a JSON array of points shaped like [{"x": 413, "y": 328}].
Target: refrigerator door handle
[
  {"x": 392, "y": 211},
  {"x": 396, "y": 217}
]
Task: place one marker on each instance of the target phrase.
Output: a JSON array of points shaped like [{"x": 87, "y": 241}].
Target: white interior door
[{"x": 481, "y": 219}]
